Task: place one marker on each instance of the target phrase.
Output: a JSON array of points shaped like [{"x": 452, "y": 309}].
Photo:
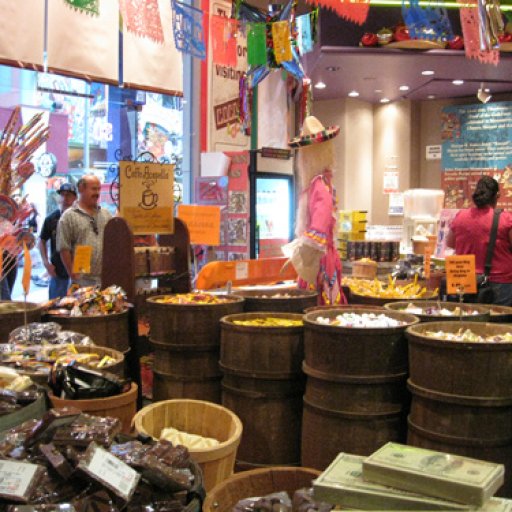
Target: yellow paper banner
[
  {"x": 82, "y": 259},
  {"x": 281, "y": 38},
  {"x": 27, "y": 269}
]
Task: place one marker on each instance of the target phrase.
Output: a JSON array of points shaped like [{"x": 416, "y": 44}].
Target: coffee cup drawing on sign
[{"x": 149, "y": 200}]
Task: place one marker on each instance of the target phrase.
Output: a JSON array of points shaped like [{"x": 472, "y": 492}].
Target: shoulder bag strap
[{"x": 492, "y": 242}]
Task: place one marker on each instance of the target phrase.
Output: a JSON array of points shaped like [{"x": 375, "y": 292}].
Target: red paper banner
[
  {"x": 470, "y": 23},
  {"x": 142, "y": 18},
  {"x": 224, "y": 40},
  {"x": 351, "y": 10}
]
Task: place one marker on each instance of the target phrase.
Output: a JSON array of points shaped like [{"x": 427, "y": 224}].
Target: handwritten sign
[
  {"x": 146, "y": 197},
  {"x": 82, "y": 259},
  {"x": 460, "y": 274},
  {"x": 426, "y": 262},
  {"x": 203, "y": 223}
]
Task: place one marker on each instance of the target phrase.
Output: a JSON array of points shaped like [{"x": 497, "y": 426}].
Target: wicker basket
[
  {"x": 257, "y": 482},
  {"x": 201, "y": 418}
]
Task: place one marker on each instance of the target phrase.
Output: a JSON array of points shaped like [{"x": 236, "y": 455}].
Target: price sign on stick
[
  {"x": 460, "y": 274},
  {"x": 426, "y": 262}
]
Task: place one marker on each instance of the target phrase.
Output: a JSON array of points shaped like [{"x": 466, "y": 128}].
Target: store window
[{"x": 92, "y": 126}]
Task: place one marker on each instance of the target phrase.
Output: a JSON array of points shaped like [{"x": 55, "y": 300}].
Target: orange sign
[
  {"x": 27, "y": 269},
  {"x": 460, "y": 274},
  {"x": 426, "y": 262},
  {"x": 203, "y": 223}
]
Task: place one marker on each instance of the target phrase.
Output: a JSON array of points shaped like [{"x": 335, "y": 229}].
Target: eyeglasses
[{"x": 94, "y": 226}]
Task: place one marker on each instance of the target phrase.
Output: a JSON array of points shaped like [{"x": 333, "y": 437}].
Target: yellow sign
[
  {"x": 146, "y": 196},
  {"x": 203, "y": 223},
  {"x": 82, "y": 259},
  {"x": 460, "y": 274}
]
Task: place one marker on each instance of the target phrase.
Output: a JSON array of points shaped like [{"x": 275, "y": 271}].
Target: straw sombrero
[{"x": 313, "y": 131}]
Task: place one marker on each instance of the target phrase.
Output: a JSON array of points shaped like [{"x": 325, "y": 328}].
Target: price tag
[
  {"x": 16, "y": 477},
  {"x": 460, "y": 274},
  {"x": 114, "y": 472},
  {"x": 426, "y": 262},
  {"x": 242, "y": 270},
  {"x": 82, "y": 259}
]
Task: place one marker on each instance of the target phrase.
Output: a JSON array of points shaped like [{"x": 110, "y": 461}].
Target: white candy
[{"x": 360, "y": 320}]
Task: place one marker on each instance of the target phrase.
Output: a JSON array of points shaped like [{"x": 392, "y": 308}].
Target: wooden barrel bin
[
  {"x": 356, "y": 397},
  {"x": 283, "y": 301},
  {"x": 110, "y": 330},
  {"x": 500, "y": 314},
  {"x": 186, "y": 371},
  {"x": 186, "y": 341},
  {"x": 123, "y": 406},
  {"x": 12, "y": 315},
  {"x": 461, "y": 393},
  {"x": 482, "y": 310},
  {"x": 255, "y": 483},
  {"x": 201, "y": 418},
  {"x": 263, "y": 384},
  {"x": 381, "y": 301}
]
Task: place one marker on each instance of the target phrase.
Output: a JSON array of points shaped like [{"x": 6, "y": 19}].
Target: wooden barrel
[
  {"x": 284, "y": 301},
  {"x": 12, "y": 315},
  {"x": 356, "y": 398},
  {"x": 256, "y": 483},
  {"x": 201, "y": 418},
  {"x": 263, "y": 384},
  {"x": 500, "y": 314},
  {"x": 470, "y": 412},
  {"x": 110, "y": 330},
  {"x": 470, "y": 312},
  {"x": 123, "y": 406},
  {"x": 380, "y": 301},
  {"x": 186, "y": 371},
  {"x": 186, "y": 340}
]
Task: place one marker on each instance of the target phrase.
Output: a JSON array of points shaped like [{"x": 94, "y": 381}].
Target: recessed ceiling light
[
  {"x": 320, "y": 85},
  {"x": 404, "y": 87},
  {"x": 378, "y": 90},
  {"x": 384, "y": 100},
  {"x": 457, "y": 82},
  {"x": 353, "y": 94},
  {"x": 431, "y": 96},
  {"x": 332, "y": 68},
  {"x": 428, "y": 72}
]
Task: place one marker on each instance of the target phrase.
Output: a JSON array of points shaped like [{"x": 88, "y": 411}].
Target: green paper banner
[
  {"x": 256, "y": 44},
  {"x": 88, "y": 6}
]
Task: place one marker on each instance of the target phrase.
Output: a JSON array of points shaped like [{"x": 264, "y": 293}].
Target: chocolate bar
[
  {"x": 52, "y": 420},
  {"x": 51, "y": 507},
  {"x": 175, "y": 456},
  {"x": 87, "y": 429},
  {"x": 19, "y": 480},
  {"x": 109, "y": 471},
  {"x": 163, "y": 476},
  {"x": 56, "y": 460}
]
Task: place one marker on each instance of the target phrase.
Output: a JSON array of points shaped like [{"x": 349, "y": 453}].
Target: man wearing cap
[{"x": 59, "y": 278}]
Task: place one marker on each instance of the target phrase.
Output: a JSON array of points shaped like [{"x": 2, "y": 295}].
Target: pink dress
[{"x": 319, "y": 233}]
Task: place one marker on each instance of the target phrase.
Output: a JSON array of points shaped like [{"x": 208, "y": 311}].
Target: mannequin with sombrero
[{"x": 313, "y": 252}]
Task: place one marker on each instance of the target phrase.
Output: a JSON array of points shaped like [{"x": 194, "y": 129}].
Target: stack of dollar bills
[{"x": 401, "y": 477}]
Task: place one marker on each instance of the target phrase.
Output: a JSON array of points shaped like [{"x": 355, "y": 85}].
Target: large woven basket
[{"x": 201, "y": 418}]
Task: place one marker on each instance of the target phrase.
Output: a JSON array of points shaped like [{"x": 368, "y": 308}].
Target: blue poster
[{"x": 477, "y": 137}]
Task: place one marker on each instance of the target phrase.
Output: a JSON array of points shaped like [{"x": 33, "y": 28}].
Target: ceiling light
[
  {"x": 404, "y": 87},
  {"x": 384, "y": 100},
  {"x": 378, "y": 90},
  {"x": 428, "y": 72},
  {"x": 431, "y": 96},
  {"x": 353, "y": 94},
  {"x": 320, "y": 85},
  {"x": 484, "y": 95},
  {"x": 457, "y": 82},
  {"x": 332, "y": 68}
]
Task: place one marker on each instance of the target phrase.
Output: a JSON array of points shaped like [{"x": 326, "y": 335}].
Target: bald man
[{"x": 83, "y": 225}]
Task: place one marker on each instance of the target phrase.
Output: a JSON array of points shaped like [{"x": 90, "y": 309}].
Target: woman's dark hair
[{"x": 486, "y": 192}]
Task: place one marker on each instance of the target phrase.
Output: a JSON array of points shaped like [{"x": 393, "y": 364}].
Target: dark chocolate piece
[{"x": 56, "y": 460}]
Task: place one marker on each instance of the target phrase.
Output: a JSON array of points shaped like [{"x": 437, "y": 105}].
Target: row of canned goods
[{"x": 375, "y": 250}]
